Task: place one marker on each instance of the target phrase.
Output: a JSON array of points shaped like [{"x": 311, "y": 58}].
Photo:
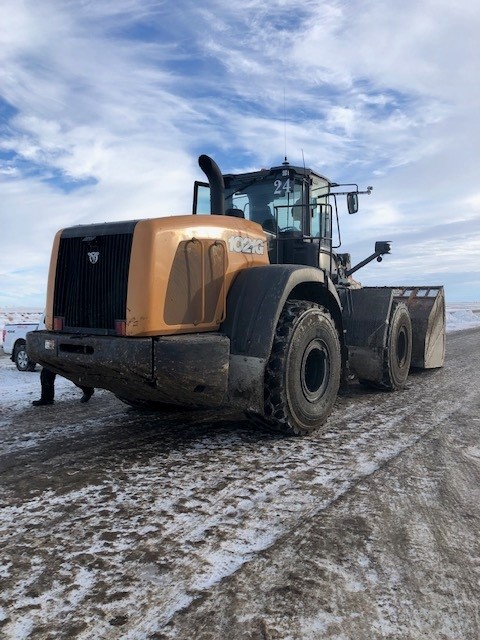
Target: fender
[{"x": 258, "y": 296}]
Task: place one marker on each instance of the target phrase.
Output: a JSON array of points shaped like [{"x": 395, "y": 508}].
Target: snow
[
  {"x": 19, "y": 316},
  {"x": 464, "y": 316}
]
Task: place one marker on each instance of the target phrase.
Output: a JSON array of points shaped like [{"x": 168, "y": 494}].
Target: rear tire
[
  {"x": 303, "y": 373},
  {"x": 21, "y": 359}
]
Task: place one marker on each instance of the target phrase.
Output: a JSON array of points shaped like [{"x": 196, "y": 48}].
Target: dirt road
[{"x": 117, "y": 524}]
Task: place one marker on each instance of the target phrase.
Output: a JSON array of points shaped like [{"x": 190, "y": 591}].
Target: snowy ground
[{"x": 118, "y": 524}]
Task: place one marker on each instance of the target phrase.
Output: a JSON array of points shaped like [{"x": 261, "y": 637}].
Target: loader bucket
[{"x": 427, "y": 312}]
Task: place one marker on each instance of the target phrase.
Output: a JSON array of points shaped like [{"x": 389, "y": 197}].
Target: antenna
[{"x": 285, "y": 124}]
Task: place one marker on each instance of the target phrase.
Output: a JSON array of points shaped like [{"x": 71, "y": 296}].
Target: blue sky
[{"x": 105, "y": 106}]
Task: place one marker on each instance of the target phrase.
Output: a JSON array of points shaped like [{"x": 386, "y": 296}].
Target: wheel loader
[{"x": 244, "y": 303}]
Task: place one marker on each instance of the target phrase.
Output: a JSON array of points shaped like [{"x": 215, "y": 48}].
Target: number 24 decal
[{"x": 282, "y": 186}]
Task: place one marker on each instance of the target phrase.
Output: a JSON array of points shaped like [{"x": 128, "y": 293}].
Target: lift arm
[{"x": 381, "y": 248}]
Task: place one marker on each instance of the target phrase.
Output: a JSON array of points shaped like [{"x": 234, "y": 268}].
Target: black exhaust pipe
[{"x": 217, "y": 187}]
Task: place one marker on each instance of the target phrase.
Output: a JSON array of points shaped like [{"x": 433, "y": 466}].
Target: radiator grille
[{"x": 92, "y": 279}]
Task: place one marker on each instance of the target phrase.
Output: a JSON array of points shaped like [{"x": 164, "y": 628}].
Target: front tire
[
  {"x": 399, "y": 348},
  {"x": 303, "y": 373},
  {"x": 398, "y": 351}
]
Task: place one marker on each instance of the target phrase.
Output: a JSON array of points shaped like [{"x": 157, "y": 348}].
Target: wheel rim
[
  {"x": 22, "y": 359},
  {"x": 402, "y": 347},
  {"x": 315, "y": 370}
]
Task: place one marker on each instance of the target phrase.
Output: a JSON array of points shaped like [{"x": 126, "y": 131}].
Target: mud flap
[
  {"x": 365, "y": 317},
  {"x": 426, "y": 306}
]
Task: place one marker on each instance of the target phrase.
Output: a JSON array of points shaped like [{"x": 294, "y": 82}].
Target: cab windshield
[
  {"x": 281, "y": 201},
  {"x": 273, "y": 201}
]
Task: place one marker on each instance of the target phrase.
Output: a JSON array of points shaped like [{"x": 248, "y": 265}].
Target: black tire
[
  {"x": 396, "y": 365},
  {"x": 303, "y": 373},
  {"x": 399, "y": 352},
  {"x": 22, "y": 361}
]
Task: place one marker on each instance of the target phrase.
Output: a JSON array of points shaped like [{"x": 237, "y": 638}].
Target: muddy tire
[
  {"x": 399, "y": 353},
  {"x": 303, "y": 373},
  {"x": 396, "y": 365}
]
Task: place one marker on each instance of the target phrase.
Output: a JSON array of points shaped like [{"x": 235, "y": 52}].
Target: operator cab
[{"x": 294, "y": 207}]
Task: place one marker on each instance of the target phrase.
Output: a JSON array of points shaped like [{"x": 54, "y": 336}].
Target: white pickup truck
[{"x": 14, "y": 343}]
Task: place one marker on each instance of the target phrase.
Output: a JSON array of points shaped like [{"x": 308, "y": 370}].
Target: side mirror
[
  {"x": 201, "y": 198},
  {"x": 382, "y": 247},
  {"x": 352, "y": 202}
]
